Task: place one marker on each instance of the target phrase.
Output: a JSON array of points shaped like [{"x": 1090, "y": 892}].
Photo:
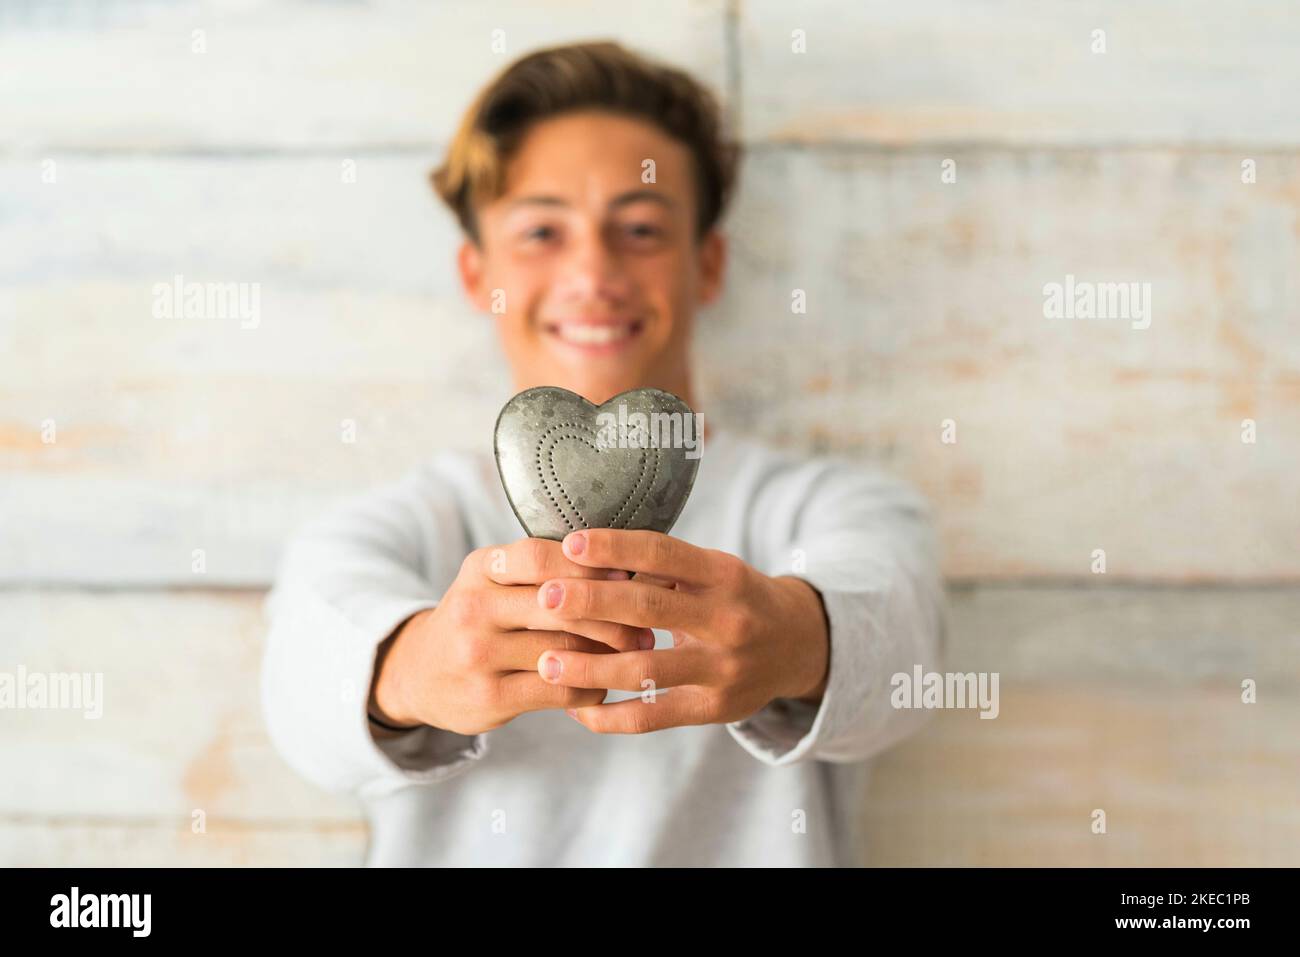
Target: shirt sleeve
[
  {"x": 345, "y": 582},
  {"x": 866, "y": 542}
]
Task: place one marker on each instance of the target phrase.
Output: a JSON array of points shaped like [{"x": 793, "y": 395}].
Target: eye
[
  {"x": 642, "y": 230},
  {"x": 541, "y": 233}
]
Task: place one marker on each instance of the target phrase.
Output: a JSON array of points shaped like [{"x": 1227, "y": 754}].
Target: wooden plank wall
[{"x": 127, "y": 158}]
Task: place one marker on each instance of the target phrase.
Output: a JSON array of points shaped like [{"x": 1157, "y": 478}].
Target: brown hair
[{"x": 584, "y": 76}]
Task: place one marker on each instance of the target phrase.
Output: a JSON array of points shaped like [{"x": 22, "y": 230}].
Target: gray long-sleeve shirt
[{"x": 783, "y": 787}]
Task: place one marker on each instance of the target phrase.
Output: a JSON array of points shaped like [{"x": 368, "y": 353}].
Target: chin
[
  {"x": 597, "y": 381},
  {"x": 601, "y": 388}
]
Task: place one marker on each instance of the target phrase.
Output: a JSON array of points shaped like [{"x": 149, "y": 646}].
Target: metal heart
[{"x": 566, "y": 464}]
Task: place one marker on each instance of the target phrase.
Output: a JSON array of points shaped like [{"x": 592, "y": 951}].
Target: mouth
[{"x": 594, "y": 337}]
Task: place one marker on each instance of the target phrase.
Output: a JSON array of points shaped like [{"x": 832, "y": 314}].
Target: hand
[
  {"x": 740, "y": 638},
  {"x": 470, "y": 664}
]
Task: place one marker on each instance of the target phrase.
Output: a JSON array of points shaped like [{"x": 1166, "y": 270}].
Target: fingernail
[
  {"x": 617, "y": 576},
  {"x": 551, "y": 668},
  {"x": 571, "y": 713},
  {"x": 577, "y": 543},
  {"x": 646, "y": 641},
  {"x": 553, "y": 596}
]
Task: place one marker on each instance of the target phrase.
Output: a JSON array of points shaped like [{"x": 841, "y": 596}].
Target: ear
[
  {"x": 713, "y": 266},
  {"x": 469, "y": 262}
]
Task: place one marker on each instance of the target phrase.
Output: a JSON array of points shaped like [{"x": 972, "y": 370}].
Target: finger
[
  {"x": 674, "y": 708},
  {"x": 530, "y": 561},
  {"x": 654, "y": 580},
  {"x": 641, "y": 550},
  {"x": 519, "y": 650},
  {"x": 525, "y": 691},
  {"x": 628, "y": 671},
  {"x": 515, "y": 608},
  {"x": 612, "y": 634},
  {"x": 630, "y": 603}
]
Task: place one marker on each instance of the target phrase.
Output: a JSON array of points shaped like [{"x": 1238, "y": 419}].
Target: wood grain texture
[
  {"x": 121, "y": 75},
  {"x": 39, "y": 842},
  {"x": 1185, "y": 778},
  {"x": 181, "y": 726},
  {"x": 203, "y": 434},
  {"x": 1020, "y": 72},
  {"x": 924, "y": 302},
  {"x": 1125, "y": 699}
]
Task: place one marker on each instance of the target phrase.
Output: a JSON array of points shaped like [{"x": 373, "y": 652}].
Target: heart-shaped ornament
[{"x": 567, "y": 464}]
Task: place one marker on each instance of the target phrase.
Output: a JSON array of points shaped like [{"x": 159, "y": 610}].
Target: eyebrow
[
  {"x": 641, "y": 195},
  {"x": 623, "y": 199}
]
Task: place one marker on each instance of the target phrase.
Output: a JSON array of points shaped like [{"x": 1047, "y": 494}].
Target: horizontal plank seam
[
  {"x": 212, "y": 822},
  {"x": 760, "y": 146}
]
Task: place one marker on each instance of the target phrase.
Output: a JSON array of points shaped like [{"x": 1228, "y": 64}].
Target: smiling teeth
[{"x": 594, "y": 335}]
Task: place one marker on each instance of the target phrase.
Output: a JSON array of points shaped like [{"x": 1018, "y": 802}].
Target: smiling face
[{"x": 595, "y": 275}]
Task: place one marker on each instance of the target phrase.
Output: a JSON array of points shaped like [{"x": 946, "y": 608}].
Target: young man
[{"x": 426, "y": 656}]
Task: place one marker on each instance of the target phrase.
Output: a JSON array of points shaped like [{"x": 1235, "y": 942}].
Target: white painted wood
[
  {"x": 925, "y": 298},
  {"x": 1126, "y": 699},
  {"x": 1132, "y": 638},
  {"x": 1021, "y": 72},
  {"x": 37, "y": 842},
  {"x": 222, "y": 433},
  {"x": 122, "y": 75},
  {"x": 1186, "y": 779},
  {"x": 924, "y": 304},
  {"x": 180, "y": 726}
]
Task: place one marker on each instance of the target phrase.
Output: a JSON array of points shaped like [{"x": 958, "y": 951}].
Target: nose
[{"x": 595, "y": 270}]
